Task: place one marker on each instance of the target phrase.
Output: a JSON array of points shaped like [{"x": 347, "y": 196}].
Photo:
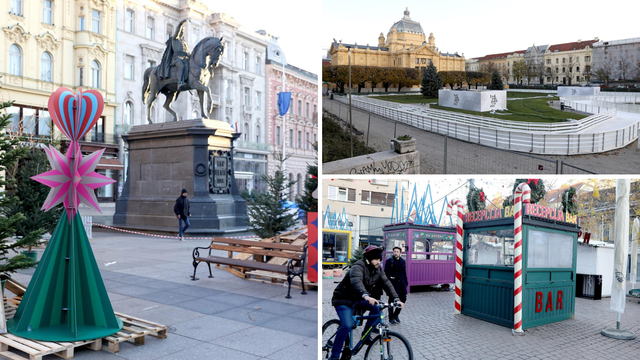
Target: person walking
[
  {"x": 181, "y": 208},
  {"x": 396, "y": 270}
]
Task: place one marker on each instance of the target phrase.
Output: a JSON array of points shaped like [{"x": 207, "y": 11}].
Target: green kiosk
[{"x": 548, "y": 265}]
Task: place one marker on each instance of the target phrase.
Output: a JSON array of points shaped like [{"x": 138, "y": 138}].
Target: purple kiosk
[{"x": 427, "y": 249}]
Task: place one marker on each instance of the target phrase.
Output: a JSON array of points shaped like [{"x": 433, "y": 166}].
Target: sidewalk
[
  {"x": 224, "y": 318},
  {"x": 435, "y": 332}
]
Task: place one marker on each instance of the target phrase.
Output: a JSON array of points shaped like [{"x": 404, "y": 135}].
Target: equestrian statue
[{"x": 181, "y": 71}]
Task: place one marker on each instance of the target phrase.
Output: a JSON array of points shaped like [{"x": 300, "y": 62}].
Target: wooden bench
[{"x": 294, "y": 258}]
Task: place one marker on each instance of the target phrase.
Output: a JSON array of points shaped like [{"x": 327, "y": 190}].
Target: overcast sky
[
  {"x": 297, "y": 24},
  {"x": 477, "y": 28}
]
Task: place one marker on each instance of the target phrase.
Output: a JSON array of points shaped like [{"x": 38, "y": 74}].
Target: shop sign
[{"x": 534, "y": 210}]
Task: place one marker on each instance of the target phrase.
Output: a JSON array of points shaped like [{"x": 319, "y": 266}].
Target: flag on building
[{"x": 284, "y": 99}]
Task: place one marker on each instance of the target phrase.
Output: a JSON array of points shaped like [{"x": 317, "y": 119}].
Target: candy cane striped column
[
  {"x": 522, "y": 195},
  {"x": 457, "y": 204}
]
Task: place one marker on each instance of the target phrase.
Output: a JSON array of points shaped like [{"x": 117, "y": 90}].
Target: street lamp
[{"x": 350, "y": 115}]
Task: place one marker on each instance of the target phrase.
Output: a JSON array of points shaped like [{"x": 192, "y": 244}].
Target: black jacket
[
  {"x": 396, "y": 271},
  {"x": 182, "y": 207},
  {"x": 360, "y": 280}
]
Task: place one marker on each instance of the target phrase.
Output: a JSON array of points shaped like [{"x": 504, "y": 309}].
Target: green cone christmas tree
[{"x": 66, "y": 299}]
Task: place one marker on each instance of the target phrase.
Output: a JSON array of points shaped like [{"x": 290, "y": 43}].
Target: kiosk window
[
  {"x": 442, "y": 246},
  {"x": 394, "y": 239},
  {"x": 494, "y": 247},
  {"x": 335, "y": 247},
  {"x": 549, "y": 250}
]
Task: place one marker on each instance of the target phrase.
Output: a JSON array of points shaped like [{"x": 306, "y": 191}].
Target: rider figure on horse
[{"x": 176, "y": 53}]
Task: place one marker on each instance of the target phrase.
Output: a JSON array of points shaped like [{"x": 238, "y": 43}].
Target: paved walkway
[
  {"x": 435, "y": 332},
  {"x": 223, "y": 318}
]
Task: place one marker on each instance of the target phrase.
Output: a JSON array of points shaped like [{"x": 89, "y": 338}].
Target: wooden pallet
[
  {"x": 276, "y": 278},
  {"x": 134, "y": 329}
]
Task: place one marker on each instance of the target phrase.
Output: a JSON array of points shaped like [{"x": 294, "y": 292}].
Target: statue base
[{"x": 165, "y": 158}]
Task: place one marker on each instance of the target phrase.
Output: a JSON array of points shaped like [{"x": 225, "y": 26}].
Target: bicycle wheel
[
  {"x": 329, "y": 330},
  {"x": 397, "y": 346}
]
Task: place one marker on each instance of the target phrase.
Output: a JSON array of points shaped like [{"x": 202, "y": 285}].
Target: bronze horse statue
[{"x": 203, "y": 59}]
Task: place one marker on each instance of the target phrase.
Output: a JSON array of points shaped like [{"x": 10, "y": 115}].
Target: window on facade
[
  {"x": 227, "y": 50},
  {"x": 247, "y": 97},
  {"x": 290, "y": 138},
  {"x": 97, "y": 133},
  {"x": 227, "y": 89},
  {"x": 299, "y": 107},
  {"x": 81, "y": 25},
  {"x": 80, "y": 76},
  {"x": 258, "y": 100},
  {"x": 315, "y": 109},
  {"x": 246, "y": 132},
  {"x": 308, "y": 144},
  {"x": 28, "y": 120},
  {"x": 315, "y": 138},
  {"x": 128, "y": 67},
  {"x": 46, "y": 65},
  {"x": 169, "y": 30},
  {"x": 307, "y": 110},
  {"x": 563, "y": 69},
  {"x": 376, "y": 198},
  {"x": 16, "y": 7},
  {"x": 96, "y": 18},
  {"x": 587, "y": 58},
  {"x": 563, "y": 60},
  {"x": 556, "y": 78},
  {"x": 577, "y": 68},
  {"x": 548, "y": 61},
  {"x": 47, "y": 12},
  {"x": 258, "y": 133},
  {"x": 245, "y": 62},
  {"x": 128, "y": 113},
  {"x": 578, "y": 78},
  {"x": 128, "y": 21},
  {"x": 151, "y": 23},
  {"x": 556, "y": 60},
  {"x": 299, "y": 139},
  {"x": 277, "y": 135},
  {"x": 15, "y": 60},
  {"x": 548, "y": 78},
  {"x": 258, "y": 63},
  {"x": 95, "y": 74},
  {"x": 341, "y": 193},
  {"x": 587, "y": 69},
  {"x": 151, "y": 63}
]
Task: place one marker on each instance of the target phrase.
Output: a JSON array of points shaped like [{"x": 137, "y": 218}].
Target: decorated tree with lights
[{"x": 569, "y": 201}]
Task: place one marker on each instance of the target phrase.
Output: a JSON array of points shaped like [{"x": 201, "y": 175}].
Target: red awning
[{"x": 109, "y": 164}]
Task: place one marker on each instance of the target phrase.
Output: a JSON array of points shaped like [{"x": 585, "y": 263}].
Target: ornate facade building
[
  {"x": 60, "y": 43},
  {"x": 570, "y": 63},
  {"x": 406, "y": 45},
  {"x": 238, "y": 86},
  {"x": 621, "y": 58},
  {"x": 300, "y": 129}
]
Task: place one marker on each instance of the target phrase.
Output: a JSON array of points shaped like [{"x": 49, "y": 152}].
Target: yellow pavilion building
[{"x": 406, "y": 45}]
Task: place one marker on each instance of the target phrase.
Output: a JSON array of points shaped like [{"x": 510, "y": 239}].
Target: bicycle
[{"x": 397, "y": 346}]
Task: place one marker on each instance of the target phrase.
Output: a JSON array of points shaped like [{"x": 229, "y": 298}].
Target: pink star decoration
[{"x": 72, "y": 179}]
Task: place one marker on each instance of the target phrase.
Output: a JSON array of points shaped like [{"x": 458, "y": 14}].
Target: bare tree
[
  {"x": 519, "y": 70},
  {"x": 568, "y": 70},
  {"x": 604, "y": 70},
  {"x": 626, "y": 68}
]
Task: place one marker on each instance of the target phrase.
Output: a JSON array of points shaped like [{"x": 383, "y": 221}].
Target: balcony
[
  {"x": 100, "y": 138},
  {"x": 122, "y": 129},
  {"x": 249, "y": 145},
  {"x": 247, "y": 109}
]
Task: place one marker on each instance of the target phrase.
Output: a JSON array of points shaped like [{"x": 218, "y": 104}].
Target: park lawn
[
  {"x": 519, "y": 95},
  {"x": 529, "y": 110},
  {"x": 407, "y": 99}
]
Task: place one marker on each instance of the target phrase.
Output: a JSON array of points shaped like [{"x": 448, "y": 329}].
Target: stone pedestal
[{"x": 165, "y": 158}]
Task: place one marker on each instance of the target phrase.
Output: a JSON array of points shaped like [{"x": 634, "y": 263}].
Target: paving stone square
[
  {"x": 435, "y": 332},
  {"x": 225, "y": 317}
]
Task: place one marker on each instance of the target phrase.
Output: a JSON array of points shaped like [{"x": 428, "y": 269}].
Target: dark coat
[
  {"x": 396, "y": 271},
  {"x": 182, "y": 207},
  {"x": 361, "y": 279}
]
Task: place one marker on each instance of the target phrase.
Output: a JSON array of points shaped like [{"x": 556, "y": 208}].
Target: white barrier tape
[{"x": 170, "y": 236}]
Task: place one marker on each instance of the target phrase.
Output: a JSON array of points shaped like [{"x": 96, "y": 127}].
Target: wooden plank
[
  {"x": 15, "y": 287},
  {"x": 257, "y": 251},
  {"x": 12, "y": 356},
  {"x": 129, "y": 317},
  {"x": 256, "y": 244},
  {"x": 36, "y": 345},
  {"x": 244, "y": 264},
  {"x": 16, "y": 345}
]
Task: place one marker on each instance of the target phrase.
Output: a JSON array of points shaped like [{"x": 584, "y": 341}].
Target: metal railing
[{"x": 517, "y": 137}]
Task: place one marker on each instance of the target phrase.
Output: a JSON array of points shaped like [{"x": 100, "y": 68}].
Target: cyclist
[{"x": 355, "y": 290}]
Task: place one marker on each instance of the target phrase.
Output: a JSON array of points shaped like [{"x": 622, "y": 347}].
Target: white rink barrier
[{"x": 533, "y": 138}]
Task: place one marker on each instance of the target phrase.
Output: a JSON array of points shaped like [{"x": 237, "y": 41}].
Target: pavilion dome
[{"x": 407, "y": 25}]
